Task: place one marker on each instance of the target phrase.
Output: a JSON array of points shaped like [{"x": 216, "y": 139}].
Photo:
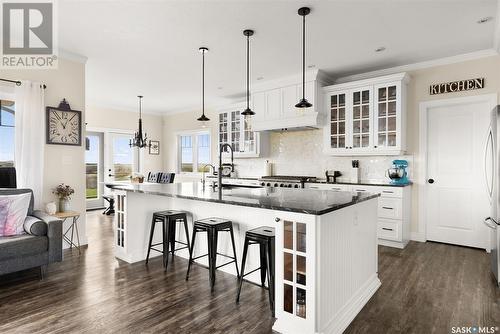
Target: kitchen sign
[{"x": 457, "y": 86}]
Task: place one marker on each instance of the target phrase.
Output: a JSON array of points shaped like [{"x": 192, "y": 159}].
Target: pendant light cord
[
  {"x": 203, "y": 83},
  {"x": 248, "y": 72},
  {"x": 303, "y": 57}
]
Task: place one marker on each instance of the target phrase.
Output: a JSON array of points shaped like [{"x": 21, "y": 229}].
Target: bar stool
[
  {"x": 213, "y": 226},
  {"x": 168, "y": 218},
  {"x": 264, "y": 237}
]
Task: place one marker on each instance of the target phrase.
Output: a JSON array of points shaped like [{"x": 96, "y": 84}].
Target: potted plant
[{"x": 63, "y": 192}]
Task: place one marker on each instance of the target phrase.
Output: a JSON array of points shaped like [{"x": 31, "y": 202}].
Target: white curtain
[{"x": 30, "y": 138}]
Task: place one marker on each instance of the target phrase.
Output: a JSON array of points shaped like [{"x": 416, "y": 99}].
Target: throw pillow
[{"x": 13, "y": 212}]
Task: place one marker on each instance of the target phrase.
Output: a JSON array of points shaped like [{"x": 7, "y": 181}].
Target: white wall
[
  {"x": 63, "y": 164},
  {"x": 128, "y": 120},
  {"x": 300, "y": 152}
]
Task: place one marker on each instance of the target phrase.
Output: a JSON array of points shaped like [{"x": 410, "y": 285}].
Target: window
[
  {"x": 7, "y": 134},
  {"x": 194, "y": 151}
]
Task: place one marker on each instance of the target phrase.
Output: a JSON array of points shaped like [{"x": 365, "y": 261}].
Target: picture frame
[
  {"x": 154, "y": 148},
  {"x": 63, "y": 125}
]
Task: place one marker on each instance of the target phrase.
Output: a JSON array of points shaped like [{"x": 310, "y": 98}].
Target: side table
[{"x": 73, "y": 227}]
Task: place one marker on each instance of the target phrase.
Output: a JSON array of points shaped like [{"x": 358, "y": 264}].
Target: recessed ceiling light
[
  {"x": 484, "y": 20},
  {"x": 380, "y": 49},
  {"x": 260, "y": 78}
]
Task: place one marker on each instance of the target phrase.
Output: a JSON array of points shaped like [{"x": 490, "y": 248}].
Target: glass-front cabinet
[
  {"x": 388, "y": 116},
  {"x": 295, "y": 270},
  {"x": 236, "y": 130},
  {"x": 366, "y": 117}
]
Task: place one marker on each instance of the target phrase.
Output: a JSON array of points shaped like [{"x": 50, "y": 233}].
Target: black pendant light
[
  {"x": 203, "y": 118},
  {"x": 139, "y": 140},
  {"x": 303, "y": 103},
  {"x": 248, "y": 112}
]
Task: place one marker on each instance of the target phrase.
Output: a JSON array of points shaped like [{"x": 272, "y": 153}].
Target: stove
[{"x": 285, "y": 181}]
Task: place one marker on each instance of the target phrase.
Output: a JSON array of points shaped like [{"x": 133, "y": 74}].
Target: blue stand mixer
[{"x": 397, "y": 173}]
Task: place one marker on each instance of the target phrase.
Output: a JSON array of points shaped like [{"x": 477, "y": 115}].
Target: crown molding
[
  {"x": 64, "y": 54},
  {"x": 496, "y": 35},
  {"x": 421, "y": 65}
]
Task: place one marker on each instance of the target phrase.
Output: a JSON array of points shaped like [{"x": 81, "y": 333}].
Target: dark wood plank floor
[{"x": 426, "y": 288}]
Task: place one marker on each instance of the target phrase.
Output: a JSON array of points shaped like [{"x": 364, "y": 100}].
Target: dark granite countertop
[
  {"x": 306, "y": 201},
  {"x": 365, "y": 183}
]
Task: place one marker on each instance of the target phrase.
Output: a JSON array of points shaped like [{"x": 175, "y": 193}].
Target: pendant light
[
  {"x": 248, "y": 112},
  {"x": 303, "y": 103},
  {"x": 139, "y": 140},
  {"x": 203, "y": 118}
]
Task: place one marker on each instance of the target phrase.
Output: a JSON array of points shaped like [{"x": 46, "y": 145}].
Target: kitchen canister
[{"x": 268, "y": 168}]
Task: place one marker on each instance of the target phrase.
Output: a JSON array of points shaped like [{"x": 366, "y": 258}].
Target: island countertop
[{"x": 306, "y": 201}]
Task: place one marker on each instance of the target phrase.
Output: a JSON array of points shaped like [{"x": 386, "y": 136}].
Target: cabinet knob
[
  {"x": 375, "y": 146},
  {"x": 277, "y": 219},
  {"x": 431, "y": 181}
]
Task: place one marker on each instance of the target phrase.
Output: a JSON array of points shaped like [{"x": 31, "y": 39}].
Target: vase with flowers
[{"x": 63, "y": 192}]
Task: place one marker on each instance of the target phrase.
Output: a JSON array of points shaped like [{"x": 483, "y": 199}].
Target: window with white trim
[
  {"x": 7, "y": 134},
  {"x": 193, "y": 151}
]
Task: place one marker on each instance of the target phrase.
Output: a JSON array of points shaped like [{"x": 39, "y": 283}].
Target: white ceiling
[{"x": 151, "y": 47}]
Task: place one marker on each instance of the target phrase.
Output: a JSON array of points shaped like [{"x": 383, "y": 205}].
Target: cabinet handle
[
  {"x": 387, "y": 208},
  {"x": 277, "y": 219},
  {"x": 359, "y": 190},
  {"x": 387, "y": 192},
  {"x": 387, "y": 229}
]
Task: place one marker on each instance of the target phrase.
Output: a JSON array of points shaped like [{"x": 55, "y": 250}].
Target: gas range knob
[
  {"x": 296, "y": 186},
  {"x": 275, "y": 184},
  {"x": 268, "y": 184},
  {"x": 282, "y": 185},
  {"x": 289, "y": 186},
  {"x": 263, "y": 184}
]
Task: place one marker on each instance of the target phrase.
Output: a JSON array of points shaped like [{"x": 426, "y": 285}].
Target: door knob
[
  {"x": 110, "y": 175},
  {"x": 277, "y": 219},
  {"x": 431, "y": 181}
]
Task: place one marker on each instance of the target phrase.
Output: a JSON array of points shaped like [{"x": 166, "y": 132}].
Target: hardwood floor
[{"x": 426, "y": 288}]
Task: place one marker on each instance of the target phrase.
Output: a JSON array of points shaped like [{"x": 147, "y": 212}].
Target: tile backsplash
[{"x": 301, "y": 153}]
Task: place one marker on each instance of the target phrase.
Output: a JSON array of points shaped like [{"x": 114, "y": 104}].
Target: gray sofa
[{"x": 41, "y": 245}]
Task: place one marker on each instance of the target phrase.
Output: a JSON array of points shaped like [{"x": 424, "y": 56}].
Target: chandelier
[{"x": 140, "y": 141}]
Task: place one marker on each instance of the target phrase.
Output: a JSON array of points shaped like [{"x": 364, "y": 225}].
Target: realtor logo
[{"x": 28, "y": 35}]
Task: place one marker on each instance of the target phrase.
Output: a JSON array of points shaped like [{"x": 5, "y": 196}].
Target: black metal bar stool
[
  {"x": 169, "y": 219},
  {"x": 213, "y": 226},
  {"x": 264, "y": 237}
]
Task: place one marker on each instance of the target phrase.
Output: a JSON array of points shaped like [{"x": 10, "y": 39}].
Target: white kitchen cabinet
[
  {"x": 366, "y": 117},
  {"x": 274, "y": 103},
  {"x": 394, "y": 210},
  {"x": 236, "y": 130}
]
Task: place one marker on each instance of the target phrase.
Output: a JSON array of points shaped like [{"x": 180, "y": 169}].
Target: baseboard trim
[
  {"x": 350, "y": 310},
  {"x": 390, "y": 243},
  {"x": 418, "y": 236}
]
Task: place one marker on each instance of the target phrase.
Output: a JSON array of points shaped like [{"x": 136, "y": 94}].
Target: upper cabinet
[
  {"x": 274, "y": 103},
  {"x": 366, "y": 117},
  {"x": 236, "y": 130}
]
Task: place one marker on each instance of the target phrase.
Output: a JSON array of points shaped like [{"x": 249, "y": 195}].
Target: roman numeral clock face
[{"x": 64, "y": 127}]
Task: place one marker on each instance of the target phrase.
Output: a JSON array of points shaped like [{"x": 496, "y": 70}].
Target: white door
[
  {"x": 121, "y": 159},
  {"x": 456, "y": 196},
  {"x": 94, "y": 169}
]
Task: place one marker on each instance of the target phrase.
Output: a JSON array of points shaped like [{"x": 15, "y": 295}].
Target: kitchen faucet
[
  {"x": 219, "y": 174},
  {"x": 203, "y": 173}
]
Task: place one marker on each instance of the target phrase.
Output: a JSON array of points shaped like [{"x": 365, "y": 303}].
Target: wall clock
[{"x": 64, "y": 126}]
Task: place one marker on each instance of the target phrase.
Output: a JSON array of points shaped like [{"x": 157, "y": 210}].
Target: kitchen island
[{"x": 326, "y": 243}]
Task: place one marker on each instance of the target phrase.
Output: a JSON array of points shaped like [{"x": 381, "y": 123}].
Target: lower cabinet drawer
[
  {"x": 390, "y": 230},
  {"x": 390, "y": 208}
]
